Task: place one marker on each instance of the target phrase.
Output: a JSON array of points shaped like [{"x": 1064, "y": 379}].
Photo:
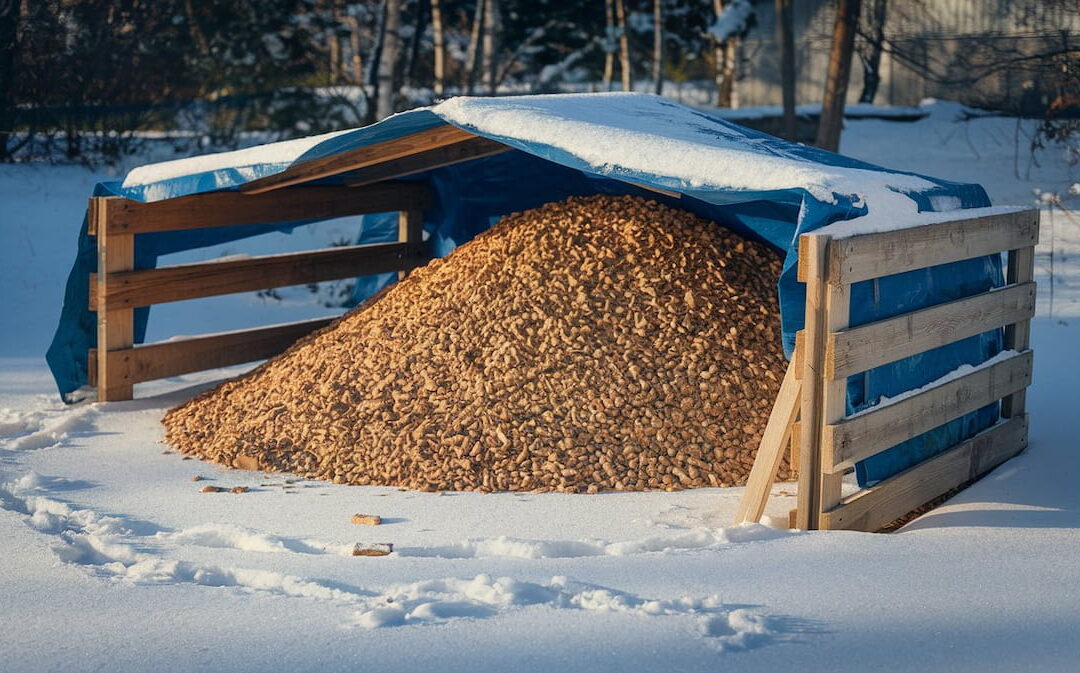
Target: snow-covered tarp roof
[{"x": 621, "y": 143}]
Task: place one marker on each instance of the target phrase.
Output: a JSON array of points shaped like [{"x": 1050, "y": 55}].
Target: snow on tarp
[{"x": 579, "y": 144}]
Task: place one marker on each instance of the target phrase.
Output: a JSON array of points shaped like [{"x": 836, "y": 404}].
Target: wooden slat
[
  {"x": 877, "y": 429},
  {"x": 879, "y": 505},
  {"x": 797, "y": 356},
  {"x": 150, "y": 362},
  {"x": 770, "y": 451},
  {"x": 189, "y": 281},
  {"x": 221, "y": 209},
  {"x": 439, "y": 136},
  {"x": 115, "y": 322},
  {"x": 867, "y": 256},
  {"x": 466, "y": 150},
  {"x": 410, "y": 232},
  {"x": 834, "y": 391},
  {"x": 861, "y": 348},
  {"x": 812, "y": 260},
  {"x": 1021, "y": 269}
]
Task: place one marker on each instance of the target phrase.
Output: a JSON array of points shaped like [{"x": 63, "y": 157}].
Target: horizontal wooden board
[
  {"x": 150, "y": 362},
  {"x": 229, "y": 208},
  {"x": 858, "y": 437},
  {"x": 128, "y": 289},
  {"x": 862, "y": 257},
  {"x": 874, "y": 507},
  {"x": 360, "y": 157},
  {"x": 867, "y": 346},
  {"x": 466, "y": 150}
]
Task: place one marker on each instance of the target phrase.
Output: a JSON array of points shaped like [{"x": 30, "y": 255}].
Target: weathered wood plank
[
  {"x": 459, "y": 152},
  {"x": 770, "y": 451},
  {"x": 866, "y": 256},
  {"x": 879, "y": 505},
  {"x": 861, "y": 436},
  {"x": 146, "y": 287},
  {"x": 439, "y": 136},
  {"x": 834, "y": 391},
  {"x": 797, "y": 356},
  {"x": 1021, "y": 269},
  {"x": 858, "y": 349},
  {"x": 150, "y": 362},
  {"x": 812, "y": 261},
  {"x": 229, "y": 208},
  {"x": 410, "y": 232},
  {"x": 115, "y": 322}
]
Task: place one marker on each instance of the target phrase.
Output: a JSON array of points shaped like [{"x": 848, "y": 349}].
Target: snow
[
  {"x": 732, "y": 21},
  {"x": 950, "y": 211},
  {"x": 280, "y": 154},
  {"x": 113, "y": 560},
  {"x": 619, "y": 133}
]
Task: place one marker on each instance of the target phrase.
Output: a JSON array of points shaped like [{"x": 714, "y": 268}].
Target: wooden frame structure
[
  {"x": 368, "y": 187},
  {"x": 827, "y": 442}
]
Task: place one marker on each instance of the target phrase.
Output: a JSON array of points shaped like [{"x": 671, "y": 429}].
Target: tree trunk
[
  {"x": 720, "y": 63},
  {"x": 474, "y": 47},
  {"x": 491, "y": 45},
  {"x": 374, "y": 64},
  {"x": 871, "y": 53},
  {"x": 419, "y": 26},
  {"x": 10, "y": 15},
  {"x": 609, "y": 52},
  {"x": 624, "y": 46},
  {"x": 836, "y": 81},
  {"x": 438, "y": 47},
  {"x": 355, "y": 57},
  {"x": 333, "y": 42},
  {"x": 658, "y": 47},
  {"x": 785, "y": 37},
  {"x": 391, "y": 48}
]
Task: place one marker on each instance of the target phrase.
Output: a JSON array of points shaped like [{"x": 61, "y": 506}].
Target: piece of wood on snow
[
  {"x": 361, "y": 157},
  {"x": 876, "y": 506},
  {"x": 858, "y": 349},
  {"x": 230, "y": 208},
  {"x": 878, "y": 428},
  {"x": 770, "y": 451}
]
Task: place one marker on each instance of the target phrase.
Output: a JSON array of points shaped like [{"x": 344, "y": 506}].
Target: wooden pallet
[
  {"x": 118, "y": 287},
  {"x": 829, "y": 350}
]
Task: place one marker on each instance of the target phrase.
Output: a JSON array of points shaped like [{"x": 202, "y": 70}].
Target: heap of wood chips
[{"x": 599, "y": 343}]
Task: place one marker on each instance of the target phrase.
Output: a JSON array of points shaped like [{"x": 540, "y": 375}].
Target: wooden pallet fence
[
  {"x": 118, "y": 288},
  {"x": 828, "y": 351}
]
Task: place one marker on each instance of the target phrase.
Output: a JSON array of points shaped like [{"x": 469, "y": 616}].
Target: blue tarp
[{"x": 471, "y": 196}]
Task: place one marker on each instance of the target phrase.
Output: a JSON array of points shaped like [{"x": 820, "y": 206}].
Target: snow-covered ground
[{"x": 113, "y": 560}]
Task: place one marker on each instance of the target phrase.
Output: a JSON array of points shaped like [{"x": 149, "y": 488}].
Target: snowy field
[{"x": 112, "y": 559}]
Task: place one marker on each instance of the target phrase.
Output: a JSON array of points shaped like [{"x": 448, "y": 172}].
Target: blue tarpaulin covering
[{"x": 757, "y": 185}]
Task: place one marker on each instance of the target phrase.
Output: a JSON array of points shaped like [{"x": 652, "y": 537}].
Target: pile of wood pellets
[{"x": 599, "y": 343}]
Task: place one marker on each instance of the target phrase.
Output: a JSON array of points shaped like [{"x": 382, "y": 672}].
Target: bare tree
[
  {"x": 624, "y": 45},
  {"x": 658, "y": 46},
  {"x": 474, "y": 47},
  {"x": 438, "y": 47},
  {"x": 836, "y": 80},
  {"x": 388, "y": 59},
  {"x": 870, "y": 52},
  {"x": 609, "y": 52},
  {"x": 333, "y": 39},
  {"x": 491, "y": 35},
  {"x": 785, "y": 37},
  {"x": 11, "y": 14}
]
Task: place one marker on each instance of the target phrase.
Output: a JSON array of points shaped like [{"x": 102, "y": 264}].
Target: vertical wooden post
[
  {"x": 823, "y": 401},
  {"x": 834, "y": 392},
  {"x": 812, "y": 260},
  {"x": 411, "y": 231},
  {"x": 115, "y": 326},
  {"x": 1021, "y": 269}
]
